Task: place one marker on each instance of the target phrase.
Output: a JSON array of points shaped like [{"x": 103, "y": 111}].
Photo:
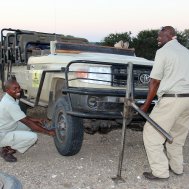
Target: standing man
[
  {"x": 15, "y": 126},
  {"x": 170, "y": 81}
]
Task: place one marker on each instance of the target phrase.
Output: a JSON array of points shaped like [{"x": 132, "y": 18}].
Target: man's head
[
  {"x": 166, "y": 34},
  {"x": 12, "y": 88}
]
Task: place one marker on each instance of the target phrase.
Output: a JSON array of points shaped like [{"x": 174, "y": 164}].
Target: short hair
[
  {"x": 169, "y": 29},
  {"x": 9, "y": 82}
]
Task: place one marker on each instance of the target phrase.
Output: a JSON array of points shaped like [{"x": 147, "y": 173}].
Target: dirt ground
[{"x": 42, "y": 167}]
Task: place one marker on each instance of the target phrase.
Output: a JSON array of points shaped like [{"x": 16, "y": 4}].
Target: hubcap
[{"x": 61, "y": 126}]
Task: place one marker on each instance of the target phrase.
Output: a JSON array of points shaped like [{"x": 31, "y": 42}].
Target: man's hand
[
  {"x": 38, "y": 120},
  {"x": 35, "y": 125},
  {"x": 153, "y": 87},
  {"x": 144, "y": 108},
  {"x": 52, "y": 133}
]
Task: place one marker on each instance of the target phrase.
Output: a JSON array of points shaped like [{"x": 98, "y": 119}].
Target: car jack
[{"x": 129, "y": 106}]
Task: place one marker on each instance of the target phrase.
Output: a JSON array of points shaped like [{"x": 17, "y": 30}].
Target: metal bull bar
[{"x": 129, "y": 105}]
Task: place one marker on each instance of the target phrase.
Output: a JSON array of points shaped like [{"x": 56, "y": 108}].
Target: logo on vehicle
[{"x": 144, "y": 78}]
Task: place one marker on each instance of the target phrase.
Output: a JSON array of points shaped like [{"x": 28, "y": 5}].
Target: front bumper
[{"x": 101, "y": 104}]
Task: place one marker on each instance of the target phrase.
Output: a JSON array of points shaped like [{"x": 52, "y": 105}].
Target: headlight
[{"x": 97, "y": 75}]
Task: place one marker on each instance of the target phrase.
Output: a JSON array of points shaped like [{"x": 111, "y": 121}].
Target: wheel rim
[{"x": 61, "y": 127}]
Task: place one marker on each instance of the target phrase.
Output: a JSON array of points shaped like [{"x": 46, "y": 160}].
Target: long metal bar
[
  {"x": 95, "y": 91},
  {"x": 127, "y": 118},
  {"x": 152, "y": 122},
  {"x": 100, "y": 115}
]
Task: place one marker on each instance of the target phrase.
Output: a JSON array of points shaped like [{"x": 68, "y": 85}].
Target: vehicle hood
[{"x": 102, "y": 57}]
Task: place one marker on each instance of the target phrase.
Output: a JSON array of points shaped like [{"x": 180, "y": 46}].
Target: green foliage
[
  {"x": 70, "y": 36},
  {"x": 111, "y": 39},
  {"x": 183, "y": 37},
  {"x": 186, "y": 35},
  {"x": 145, "y": 43}
]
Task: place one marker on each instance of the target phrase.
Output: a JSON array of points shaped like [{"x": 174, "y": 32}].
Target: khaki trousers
[
  {"x": 20, "y": 139},
  {"x": 172, "y": 114}
]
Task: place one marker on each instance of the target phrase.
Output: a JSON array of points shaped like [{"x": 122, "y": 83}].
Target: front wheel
[{"x": 69, "y": 129}]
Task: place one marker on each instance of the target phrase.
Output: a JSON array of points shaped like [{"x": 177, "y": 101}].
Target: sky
[{"x": 93, "y": 19}]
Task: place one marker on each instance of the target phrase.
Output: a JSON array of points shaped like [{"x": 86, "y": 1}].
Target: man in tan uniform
[
  {"x": 170, "y": 81},
  {"x": 15, "y": 126}
]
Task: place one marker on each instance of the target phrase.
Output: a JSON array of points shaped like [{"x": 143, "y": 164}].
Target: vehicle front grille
[{"x": 141, "y": 76}]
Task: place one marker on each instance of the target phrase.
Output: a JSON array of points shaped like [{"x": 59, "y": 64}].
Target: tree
[
  {"x": 111, "y": 39},
  {"x": 182, "y": 38},
  {"x": 145, "y": 44},
  {"x": 186, "y": 37}
]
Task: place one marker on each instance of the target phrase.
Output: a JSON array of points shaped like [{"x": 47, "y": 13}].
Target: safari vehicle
[{"x": 81, "y": 85}]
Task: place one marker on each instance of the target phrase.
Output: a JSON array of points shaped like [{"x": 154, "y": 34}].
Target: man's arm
[
  {"x": 153, "y": 87},
  {"x": 33, "y": 125},
  {"x": 39, "y": 121}
]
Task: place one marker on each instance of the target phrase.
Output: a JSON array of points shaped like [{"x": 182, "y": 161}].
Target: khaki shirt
[
  {"x": 10, "y": 114},
  {"x": 172, "y": 68}
]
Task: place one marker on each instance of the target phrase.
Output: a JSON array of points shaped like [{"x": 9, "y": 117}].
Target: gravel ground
[{"x": 93, "y": 167}]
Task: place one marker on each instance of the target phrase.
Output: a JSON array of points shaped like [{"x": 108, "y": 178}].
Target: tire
[
  {"x": 9, "y": 182},
  {"x": 69, "y": 129}
]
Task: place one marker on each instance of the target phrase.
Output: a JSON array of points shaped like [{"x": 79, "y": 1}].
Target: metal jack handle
[
  {"x": 153, "y": 123},
  {"x": 127, "y": 118}
]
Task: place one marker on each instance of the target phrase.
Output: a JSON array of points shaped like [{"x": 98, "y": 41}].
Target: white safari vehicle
[{"x": 81, "y": 85}]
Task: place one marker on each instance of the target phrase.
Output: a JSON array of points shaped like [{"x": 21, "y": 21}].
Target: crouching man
[{"x": 15, "y": 126}]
